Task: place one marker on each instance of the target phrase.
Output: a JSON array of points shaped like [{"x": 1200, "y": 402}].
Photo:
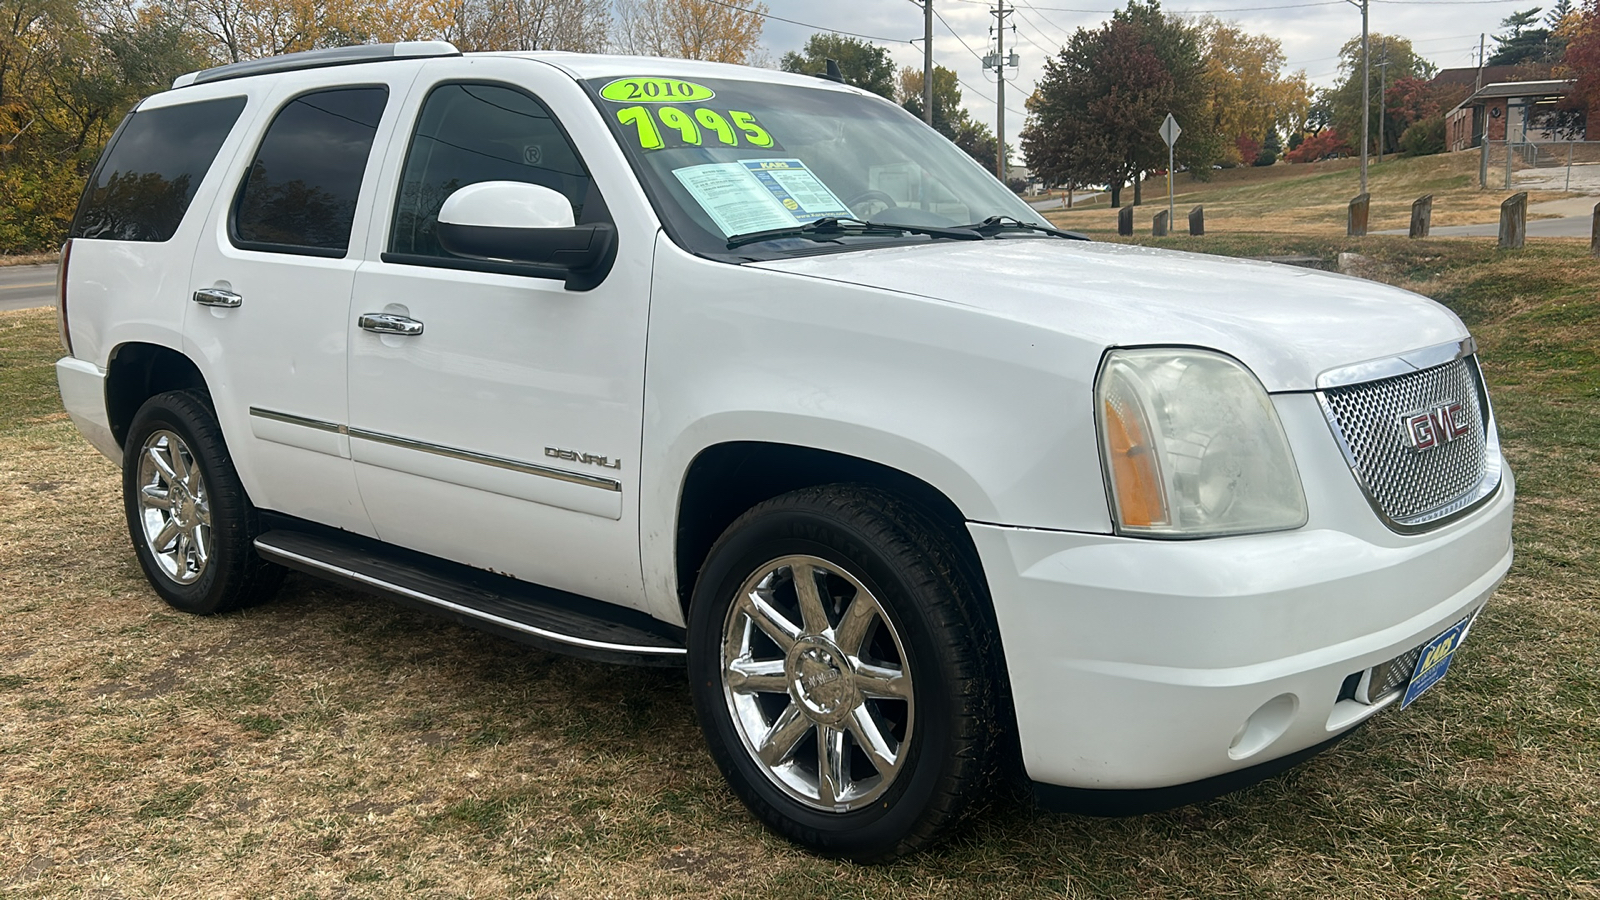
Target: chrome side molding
[{"x": 393, "y": 440}]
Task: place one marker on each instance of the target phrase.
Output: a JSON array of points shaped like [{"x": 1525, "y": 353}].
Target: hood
[{"x": 1288, "y": 324}]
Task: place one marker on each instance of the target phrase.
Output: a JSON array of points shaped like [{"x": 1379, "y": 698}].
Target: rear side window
[
  {"x": 469, "y": 133},
  {"x": 151, "y": 170},
  {"x": 299, "y": 195}
]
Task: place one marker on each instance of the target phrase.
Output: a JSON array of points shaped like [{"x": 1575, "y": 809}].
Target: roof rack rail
[{"x": 316, "y": 59}]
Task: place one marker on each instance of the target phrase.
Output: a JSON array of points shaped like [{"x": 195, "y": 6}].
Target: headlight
[{"x": 1192, "y": 446}]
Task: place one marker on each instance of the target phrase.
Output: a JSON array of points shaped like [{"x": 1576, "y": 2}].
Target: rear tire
[
  {"x": 192, "y": 526},
  {"x": 843, "y": 672}
]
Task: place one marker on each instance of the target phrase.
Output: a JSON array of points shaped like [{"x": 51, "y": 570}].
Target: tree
[
  {"x": 1344, "y": 100},
  {"x": 1522, "y": 42},
  {"x": 1325, "y": 144},
  {"x": 1096, "y": 115},
  {"x": 725, "y": 31},
  {"x": 1270, "y": 148},
  {"x": 949, "y": 119},
  {"x": 580, "y": 25},
  {"x": 1582, "y": 61},
  {"x": 864, "y": 65},
  {"x": 1247, "y": 92}
]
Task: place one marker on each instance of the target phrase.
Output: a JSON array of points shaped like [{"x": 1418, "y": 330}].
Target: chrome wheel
[
  {"x": 174, "y": 508},
  {"x": 815, "y": 679}
]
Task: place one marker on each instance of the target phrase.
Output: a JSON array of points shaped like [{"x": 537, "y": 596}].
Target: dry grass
[
  {"x": 330, "y": 745},
  {"x": 27, "y": 259},
  {"x": 1312, "y": 198}
]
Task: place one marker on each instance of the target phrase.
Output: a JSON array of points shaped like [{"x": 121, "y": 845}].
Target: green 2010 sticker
[{"x": 655, "y": 90}]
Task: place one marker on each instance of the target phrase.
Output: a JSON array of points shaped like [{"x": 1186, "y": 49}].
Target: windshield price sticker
[
  {"x": 672, "y": 126},
  {"x": 655, "y": 90},
  {"x": 759, "y": 194}
]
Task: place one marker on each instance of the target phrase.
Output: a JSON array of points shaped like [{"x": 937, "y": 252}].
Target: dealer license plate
[{"x": 1435, "y": 661}]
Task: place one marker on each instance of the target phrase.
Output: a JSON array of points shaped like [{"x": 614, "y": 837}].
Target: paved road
[
  {"x": 1049, "y": 204},
  {"x": 25, "y": 287},
  {"x": 1570, "y": 226}
]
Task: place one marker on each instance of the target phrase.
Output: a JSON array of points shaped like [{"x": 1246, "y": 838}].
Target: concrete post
[
  {"x": 1159, "y": 227},
  {"x": 1422, "y": 216},
  {"x": 1125, "y": 221},
  {"x": 1356, "y": 220},
  {"x": 1197, "y": 220},
  {"x": 1514, "y": 221}
]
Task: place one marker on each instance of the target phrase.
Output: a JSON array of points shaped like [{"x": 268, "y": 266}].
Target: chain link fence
[{"x": 1540, "y": 165}]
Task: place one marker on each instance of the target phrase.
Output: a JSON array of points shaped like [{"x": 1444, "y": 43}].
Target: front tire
[
  {"x": 192, "y": 526},
  {"x": 842, "y": 671}
]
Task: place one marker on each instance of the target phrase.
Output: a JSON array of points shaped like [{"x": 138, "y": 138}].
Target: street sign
[
  {"x": 1170, "y": 130},
  {"x": 1169, "y": 133}
]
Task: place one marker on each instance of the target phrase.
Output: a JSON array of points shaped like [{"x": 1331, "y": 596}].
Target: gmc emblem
[{"x": 1428, "y": 428}]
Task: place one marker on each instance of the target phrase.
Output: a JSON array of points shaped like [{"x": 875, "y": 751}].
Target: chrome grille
[
  {"x": 1394, "y": 674},
  {"x": 1412, "y": 488}
]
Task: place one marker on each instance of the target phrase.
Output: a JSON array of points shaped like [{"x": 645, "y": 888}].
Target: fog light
[{"x": 1264, "y": 726}]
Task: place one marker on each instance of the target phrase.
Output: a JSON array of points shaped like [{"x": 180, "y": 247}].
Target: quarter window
[
  {"x": 469, "y": 133},
  {"x": 151, "y": 170},
  {"x": 300, "y": 193}
]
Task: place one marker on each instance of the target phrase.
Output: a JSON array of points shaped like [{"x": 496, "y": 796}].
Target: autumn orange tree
[
  {"x": 1582, "y": 63},
  {"x": 726, "y": 31},
  {"x": 1248, "y": 94}
]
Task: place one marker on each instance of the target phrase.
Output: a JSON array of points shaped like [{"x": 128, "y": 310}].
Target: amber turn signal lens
[{"x": 1136, "y": 483}]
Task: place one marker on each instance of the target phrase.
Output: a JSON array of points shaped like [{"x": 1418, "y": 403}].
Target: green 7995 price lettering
[{"x": 694, "y": 127}]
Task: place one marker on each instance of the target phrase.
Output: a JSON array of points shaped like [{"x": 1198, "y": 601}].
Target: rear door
[
  {"x": 270, "y": 287},
  {"x": 506, "y": 433}
]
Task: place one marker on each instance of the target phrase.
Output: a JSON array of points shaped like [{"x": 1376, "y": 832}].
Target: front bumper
[{"x": 1140, "y": 664}]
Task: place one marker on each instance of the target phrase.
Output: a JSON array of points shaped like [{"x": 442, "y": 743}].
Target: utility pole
[
  {"x": 1383, "y": 89},
  {"x": 1366, "y": 91},
  {"x": 1477, "y": 87},
  {"x": 998, "y": 61},
  {"x": 927, "y": 61}
]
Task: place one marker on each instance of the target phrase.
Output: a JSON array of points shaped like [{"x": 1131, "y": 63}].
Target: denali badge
[
  {"x": 1428, "y": 428},
  {"x": 587, "y": 458}
]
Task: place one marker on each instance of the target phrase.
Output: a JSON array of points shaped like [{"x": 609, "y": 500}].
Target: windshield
[{"x": 725, "y": 161}]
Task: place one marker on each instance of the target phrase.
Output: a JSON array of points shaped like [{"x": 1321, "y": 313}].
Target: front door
[
  {"x": 504, "y": 432},
  {"x": 270, "y": 290}
]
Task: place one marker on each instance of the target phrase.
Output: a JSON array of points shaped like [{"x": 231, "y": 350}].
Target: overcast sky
[{"x": 1444, "y": 32}]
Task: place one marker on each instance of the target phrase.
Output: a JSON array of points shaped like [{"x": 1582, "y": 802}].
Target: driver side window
[{"x": 472, "y": 132}]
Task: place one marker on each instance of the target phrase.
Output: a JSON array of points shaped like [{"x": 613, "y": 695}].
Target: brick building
[{"x": 1527, "y": 110}]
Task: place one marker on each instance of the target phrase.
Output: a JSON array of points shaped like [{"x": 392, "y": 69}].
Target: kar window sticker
[
  {"x": 656, "y": 126},
  {"x": 759, "y": 194}
]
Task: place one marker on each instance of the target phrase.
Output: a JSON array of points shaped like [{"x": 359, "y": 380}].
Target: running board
[{"x": 543, "y": 617}]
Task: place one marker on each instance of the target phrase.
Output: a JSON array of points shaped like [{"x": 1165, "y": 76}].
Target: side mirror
[{"x": 511, "y": 221}]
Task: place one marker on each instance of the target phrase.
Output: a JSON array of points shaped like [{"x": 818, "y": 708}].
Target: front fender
[{"x": 994, "y": 413}]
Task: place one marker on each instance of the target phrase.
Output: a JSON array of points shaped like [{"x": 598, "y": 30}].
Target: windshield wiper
[
  {"x": 996, "y": 224},
  {"x": 837, "y": 226}
]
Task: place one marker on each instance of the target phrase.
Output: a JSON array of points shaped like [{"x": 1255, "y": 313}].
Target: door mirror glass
[{"x": 507, "y": 204}]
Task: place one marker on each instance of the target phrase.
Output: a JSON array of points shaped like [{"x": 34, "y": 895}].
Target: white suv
[{"x": 678, "y": 363}]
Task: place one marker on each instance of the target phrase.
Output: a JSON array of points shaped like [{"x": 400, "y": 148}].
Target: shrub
[{"x": 1424, "y": 138}]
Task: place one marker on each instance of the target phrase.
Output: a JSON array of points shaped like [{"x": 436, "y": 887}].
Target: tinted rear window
[
  {"x": 300, "y": 193},
  {"x": 150, "y": 172}
]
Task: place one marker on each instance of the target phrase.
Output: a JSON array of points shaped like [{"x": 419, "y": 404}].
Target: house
[{"x": 1526, "y": 110}]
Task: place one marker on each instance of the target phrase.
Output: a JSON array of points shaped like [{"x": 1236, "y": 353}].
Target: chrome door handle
[
  {"x": 217, "y": 297},
  {"x": 388, "y": 323}
]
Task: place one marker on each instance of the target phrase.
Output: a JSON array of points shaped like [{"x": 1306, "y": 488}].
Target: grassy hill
[{"x": 1310, "y": 198}]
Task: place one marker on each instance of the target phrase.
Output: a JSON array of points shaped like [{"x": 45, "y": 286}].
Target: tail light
[{"x": 61, "y": 296}]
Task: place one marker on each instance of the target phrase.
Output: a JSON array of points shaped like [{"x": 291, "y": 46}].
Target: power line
[
  {"x": 958, "y": 37},
  {"x": 766, "y": 15}
]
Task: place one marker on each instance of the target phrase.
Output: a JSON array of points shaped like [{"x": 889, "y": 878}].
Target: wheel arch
[
  {"x": 726, "y": 479},
  {"x": 137, "y": 371}
]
